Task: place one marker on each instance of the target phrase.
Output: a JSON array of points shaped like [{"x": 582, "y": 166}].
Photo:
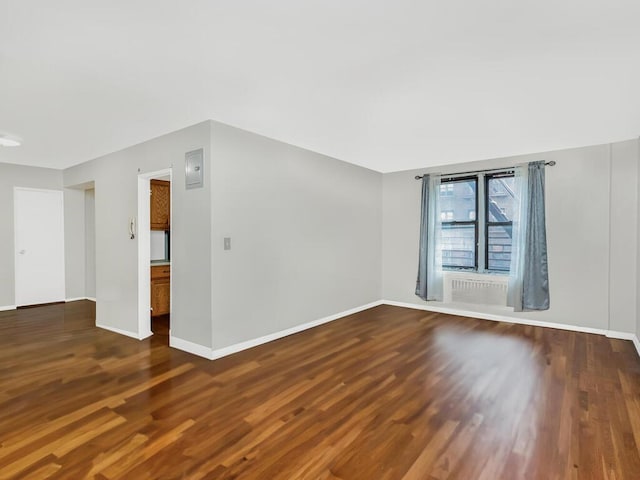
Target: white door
[{"x": 39, "y": 243}]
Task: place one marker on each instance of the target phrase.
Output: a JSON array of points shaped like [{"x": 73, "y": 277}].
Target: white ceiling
[{"x": 390, "y": 85}]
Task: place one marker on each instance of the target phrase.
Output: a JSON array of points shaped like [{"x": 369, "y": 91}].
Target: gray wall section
[
  {"x": 74, "y": 243},
  {"x": 115, "y": 178},
  {"x": 90, "y": 242},
  {"x": 17, "y": 176},
  {"x": 638, "y": 246},
  {"x": 579, "y": 206},
  {"x": 305, "y": 235},
  {"x": 623, "y": 236}
]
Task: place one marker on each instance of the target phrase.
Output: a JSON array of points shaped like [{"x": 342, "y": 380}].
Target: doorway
[
  {"x": 39, "y": 246},
  {"x": 154, "y": 253}
]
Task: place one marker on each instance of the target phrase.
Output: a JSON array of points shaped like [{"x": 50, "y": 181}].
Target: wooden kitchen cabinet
[
  {"x": 160, "y": 290},
  {"x": 160, "y": 204}
]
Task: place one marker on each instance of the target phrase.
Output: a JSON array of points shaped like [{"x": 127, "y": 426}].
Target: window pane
[
  {"x": 499, "y": 247},
  {"x": 501, "y": 201},
  {"x": 458, "y": 245},
  {"x": 446, "y": 189},
  {"x": 457, "y": 200}
]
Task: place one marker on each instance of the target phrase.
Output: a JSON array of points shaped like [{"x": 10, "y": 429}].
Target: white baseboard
[
  {"x": 507, "y": 319},
  {"x": 190, "y": 347},
  {"x": 620, "y": 335},
  {"x": 120, "y": 331},
  {"x": 212, "y": 354},
  {"x": 75, "y": 299},
  {"x": 496, "y": 318},
  {"x": 223, "y": 352},
  {"x": 67, "y": 300},
  {"x": 626, "y": 336},
  {"x": 144, "y": 335}
]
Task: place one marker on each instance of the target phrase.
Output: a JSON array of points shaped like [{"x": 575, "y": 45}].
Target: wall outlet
[{"x": 227, "y": 243}]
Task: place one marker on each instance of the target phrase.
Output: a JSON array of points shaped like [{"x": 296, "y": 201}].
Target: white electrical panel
[{"x": 194, "y": 168}]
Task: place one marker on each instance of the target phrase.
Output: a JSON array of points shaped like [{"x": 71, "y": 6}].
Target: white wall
[
  {"x": 305, "y": 234},
  {"x": 305, "y": 229},
  {"x": 17, "y": 176},
  {"x": 637, "y": 160},
  {"x": 591, "y": 197},
  {"x": 115, "y": 177},
  {"x": 74, "y": 243},
  {"x": 79, "y": 230},
  {"x": 90, "y": 242},
  {"x": 623, "y": 273}
]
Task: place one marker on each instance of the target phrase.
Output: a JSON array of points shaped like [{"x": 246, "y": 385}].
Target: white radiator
[{"x": 462, "y": 287}]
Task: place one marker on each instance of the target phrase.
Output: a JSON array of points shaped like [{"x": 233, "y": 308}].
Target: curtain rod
[{"x": 419, "y": 177}]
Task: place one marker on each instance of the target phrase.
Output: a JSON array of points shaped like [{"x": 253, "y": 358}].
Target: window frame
[
  {"x": 488, "y": 223},
  {"x": 451, "y": 180},
  {"x": 481, "y": 225}
]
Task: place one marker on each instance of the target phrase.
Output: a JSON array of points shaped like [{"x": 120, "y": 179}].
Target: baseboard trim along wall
[
  {"x": 190, "y": 347},
  {"x": 626, "y": 336},
  {"x": 75, "y": 299},
  {"x": 212, "y": 354},
  {"x": 121, "y": 332},
  {"x": 506, "y": 319},
  {"x": 4, "y": 308}
]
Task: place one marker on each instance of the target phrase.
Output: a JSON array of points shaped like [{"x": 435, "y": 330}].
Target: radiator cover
[{"x": 484, "y": 289}]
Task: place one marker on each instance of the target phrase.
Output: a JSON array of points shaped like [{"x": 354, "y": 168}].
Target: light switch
[{"x": 227, "y": 243}]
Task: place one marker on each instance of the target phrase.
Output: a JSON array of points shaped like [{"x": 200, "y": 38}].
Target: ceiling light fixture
[{"x": 7, "y": 140}]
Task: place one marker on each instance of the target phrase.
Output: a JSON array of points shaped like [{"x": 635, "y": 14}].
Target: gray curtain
[
  {"x": 423, "y": 256},
  {"x": 535, "y": 281}
]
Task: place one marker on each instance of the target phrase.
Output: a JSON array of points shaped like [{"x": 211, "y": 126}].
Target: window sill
[{"x": 475, "y": 272}]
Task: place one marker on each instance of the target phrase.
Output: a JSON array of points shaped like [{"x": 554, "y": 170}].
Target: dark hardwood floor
[
  {"x": 389, "y": 393},
  {"x": 160, "y": 326}
]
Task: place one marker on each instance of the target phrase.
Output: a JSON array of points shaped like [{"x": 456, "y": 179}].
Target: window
[
  {"x": 477, "y": 218},
  {"x": 499, "y": 214},
  {"x": 459, "y": 227}
]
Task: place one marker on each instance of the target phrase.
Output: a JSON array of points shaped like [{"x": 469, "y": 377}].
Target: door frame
[
  {"x": 144, "y": 249},
  {"x": 15, "y": 241}
]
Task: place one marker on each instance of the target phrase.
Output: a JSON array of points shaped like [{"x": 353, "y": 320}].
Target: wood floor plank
[{"x": 385, "y": 394}]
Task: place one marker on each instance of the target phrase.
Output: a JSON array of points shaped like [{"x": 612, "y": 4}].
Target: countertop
[{"x": 160, "y": 263}]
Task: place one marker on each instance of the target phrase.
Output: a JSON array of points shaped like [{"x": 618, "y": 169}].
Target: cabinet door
[
  {"x": 160, "y": 204},
  {"x": 160, "y": 271},
  {"x": 160, "y": 296}
]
